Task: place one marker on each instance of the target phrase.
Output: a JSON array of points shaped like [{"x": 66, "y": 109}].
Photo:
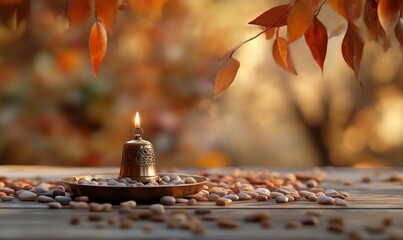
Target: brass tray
[{"x": 142, "y": 194}]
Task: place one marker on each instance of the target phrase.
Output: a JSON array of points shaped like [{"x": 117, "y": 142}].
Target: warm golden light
[{"x": 137, "y": 120}]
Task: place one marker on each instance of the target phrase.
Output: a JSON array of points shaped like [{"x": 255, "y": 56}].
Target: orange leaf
[
  {"x": 79, "y": 11},
  {"x": 150, "y": 7},
  {"x": 352, "y": 49},
  {"x": 389, "y": 13},
  {"x": 349, "y": 9},
  {"x": 299, "y": 19},
  {"x": 225, "y": 75},
  {"x": 97, "y": 44},
  {"x": 274, "y": 17},
  {"x": 316, "y": 38},
  {"x": 269, "y": 33},
  {"x": 107, "y": 12},
  {"x": 281, "y": 55},
  {"x": 399, "y": 31}
]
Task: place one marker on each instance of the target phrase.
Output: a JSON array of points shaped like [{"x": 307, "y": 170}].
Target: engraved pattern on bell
[{"x": 135, "y": 157}]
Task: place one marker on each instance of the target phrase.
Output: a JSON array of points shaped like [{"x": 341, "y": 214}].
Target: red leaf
[
  {"x": 371, "y": 19},
  {"x": 389, "y": 13},
  {"x": 225, "y": 75},
  {"x": 349, "y": 9},
  {"x": 107, "y": 12},
  {"x": 97, "y": 44},
  {"x": 352, "y": 49},
  {"x": 281, "y": 55},
  {"x": 269, "y": 33},
  {"x": 274, "y": 17},
  {"x": 299, "y": 19},
  {"x": 399, "y": 31},
  {"x": 79, "y": 11},
  {"x": 316, "y": 38}
]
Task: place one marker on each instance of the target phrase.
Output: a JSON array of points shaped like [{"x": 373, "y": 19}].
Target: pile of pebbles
[{"x": 171, "y": 179}]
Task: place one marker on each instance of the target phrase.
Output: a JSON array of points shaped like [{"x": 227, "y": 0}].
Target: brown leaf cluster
[{"x": 300, "y": 17}]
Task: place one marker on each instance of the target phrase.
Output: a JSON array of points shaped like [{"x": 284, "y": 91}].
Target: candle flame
[{"x": 137, "y": 120}]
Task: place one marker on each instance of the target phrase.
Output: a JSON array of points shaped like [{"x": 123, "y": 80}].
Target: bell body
[{"x": 138, "y": 161}]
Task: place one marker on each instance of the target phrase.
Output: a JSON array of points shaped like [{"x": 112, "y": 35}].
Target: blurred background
[{"x": 53, "y": 111}]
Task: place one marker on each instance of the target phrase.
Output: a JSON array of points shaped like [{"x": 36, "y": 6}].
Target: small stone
[
  {"x": 181, "y": 200},
  {"x": 7, "y": 190},
  {"x": 120, "y": 185},
  {"x": 166, "y": 179},
  {"x": 157, "y": 208},
  {"x": 113, "y": 221},
  {"x": 233, "y": 197},
  {"x": 218, "y": 192},
  {"x": 310, "y": 220},
  {"x": 213, "y": 197},
  {"x": 387, "y": 221},
  {"x": 293, "y": 224},
  {"x": 337, "y": 228},
  {"x": 261, "y": 198},
  {"x": 168, "y": 200},
  {"x": 243, "y": 196},
  {"x": 199, "y": 197},
  {"x": 312, "y": 183},
  {"x": 58, "y": 192},
  {"x": 190, "y": 180},
  {"x": 192, "y": 202},
  {"x": 74, "y": 221},
  {"x": 54, "y": 205},
  {"x": 95, "y": 217},
  {"x": 326, "y": 200},
  {"x": 128, "y": 204},
  {"x": 348, "y": 183},
  {"x": 336, "y": 220},
  {"x": 42, "y": 188},
  {"x": 257, "y": 217},
  {"x": 96, "y": 207},
  {"x": 281, "y": 199},
  {"x": 7, "y": 198},
  {"x": 81, "y": 199},
  {"x": 228, "y": 223},
  {"x": 266, "y": 224},
  {"x": 202, "y": 211},
  {"x": 209, "y": 217},
  {"x": 63, "y": 200},
  {"x": 274, "y": 195},
  {"x": 78, "y": 205},
  {"x": 174, "y": 177},
  {"x": 340, "y": 202},
  {"x": 112, "y": 182},
  {"x": 107, "y": 207},
  {"x": 305, "y": 194},
  {"x": 355, "y": 235},
  {"x": 45, "y": 199},
  {"x": 159, "y": 218},
  {"x": 366, "y": 179},
  {"x": 27, "y": 196},
  {"x": 313, "y": 198},
  {"x": 223, "y": 202}
]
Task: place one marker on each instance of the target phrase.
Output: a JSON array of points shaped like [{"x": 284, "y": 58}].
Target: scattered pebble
[
  {"x": 168, "y": 200},
  {"x": 181, "y": 200},
  {"x": 192, "y": 202},
  {"x": 45, "y": 199},
  {"x": 54, "y": 205},
  {"x": 74, "y": 220},
  {"x": 95, "y": 217},
  {"x": 81, "y": 199},
  {"x": 261, "y": 198},
  {"x": 202, "y": 211},
  {"x": 126, "y": 223},
  {"x": 7, "y": 198},
  {"x": 63, "y": 200},
  {"x": 340, "y": 202},
  {"x": 27, "y": 196},
  {"x": 281, "y": 199},
  {"x": 128, "y": 204},
  {"x": 233, "y": 197},
  {"x": 326, "y": 200},
  {"x": 310, "y": 220},
  {"x": 223, "y": 202},
  {"x": 293, "y": 224},
  {"x": 78, "y": 205},
  {"x": 228, "y": 223},
  {"x": 157, "y": 208}
]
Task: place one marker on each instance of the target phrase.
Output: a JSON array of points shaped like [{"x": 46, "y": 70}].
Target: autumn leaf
[
  {"x": 389, "y": 13},
  {"x": 349, "y": 9},
  {"x": 316, "y": 38},
  {"x": 371, "y": 19},
  {"x": 269, "y": 33},
  {"x": 150, "y": 7},
  {"x": 281, "y": 55},
  {"x": 79, "y": 11},
  {"x": 106, "y": 11},
  {"x": 399, "y": 31},
  {"x": 352, "y": 49},
  {"x": 225, "y": 75},
  {"x": 97, "y": 44},
  {"x": 299, "y": 19},
  {"x": 274, "y": 17}
]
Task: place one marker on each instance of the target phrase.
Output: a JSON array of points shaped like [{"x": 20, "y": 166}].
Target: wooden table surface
[{"x": 369, "y": 204}]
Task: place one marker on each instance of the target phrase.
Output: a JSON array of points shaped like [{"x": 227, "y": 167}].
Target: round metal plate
[{"x": 120, "y": 194}]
